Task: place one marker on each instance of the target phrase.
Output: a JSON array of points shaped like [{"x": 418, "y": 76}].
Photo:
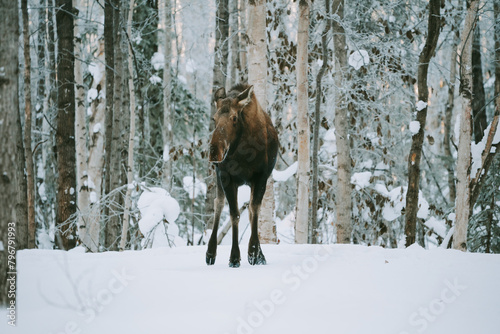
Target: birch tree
[
  {"x": 257, "y": 76},
  {"x": 65, "y": 135},
  {"x": 303, "y": 169},
  {"x": 433, "y": 28},
  {"x": 219, "y": 80},
  {"x": 130, "y": 161},
  {"x": 464, "y": 146},
  {"x": 343, "y": 202}
]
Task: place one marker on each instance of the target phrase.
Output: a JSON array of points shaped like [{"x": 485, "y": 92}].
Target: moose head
[{"x": 228, "y": 121}]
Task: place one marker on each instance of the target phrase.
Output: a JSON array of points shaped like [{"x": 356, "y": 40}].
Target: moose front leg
[
  {"x": 219, "y": 205},
  {"x": 255, "y": 255},
  {"x": 232, "y": 199}
]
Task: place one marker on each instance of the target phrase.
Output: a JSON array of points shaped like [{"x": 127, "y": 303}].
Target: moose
[{"x": 243, "y": 148}]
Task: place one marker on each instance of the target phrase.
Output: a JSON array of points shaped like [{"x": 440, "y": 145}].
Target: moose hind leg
[
  {"x": 212, "y": 244},
  {"x": 255, "y": 255}
]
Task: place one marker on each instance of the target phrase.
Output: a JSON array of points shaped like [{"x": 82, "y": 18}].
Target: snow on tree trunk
[
  {"x": 464, "y": 145},
  {"x": 303, "y": 170},
  {"x": 257, "y": 76},
  {"x": 28, "y": 152},
  {"x": 433, "y": 28},
  {"x": 343, "y": 201},
  {"x": 65, "y": 135},
  {"x": 167, "y": 134},
  {"x": 219, "y": 80},
  {"x": 243, "y": 75},
  {"x": 130, "y": 162}
]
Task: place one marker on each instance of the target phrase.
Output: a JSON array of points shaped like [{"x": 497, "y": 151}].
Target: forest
[{"x": 386, "y": 113}]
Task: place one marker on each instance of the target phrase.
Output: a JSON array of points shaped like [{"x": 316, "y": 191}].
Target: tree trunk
[
  {"x": 28, "y": 152},
  {"x": 243, "y": 75},
  {"x": 303, "y": 169},
  {"x": 234, "y": 44},
  {"x": 315, "y": 237},
  {"x": 450, "y": 163},
  {"x": 478, "y": 96},
  {"x": 464, "y": 149},
  {"x": 65, "y": 135},
  {"x": 219, "y": 79},
  {"x": 10, "y": 136},
  {"x": 81, "y": 133},
  {"x": 112, "y": 231},
  {"x": 343, "y": 202},
  {"x": 418, "y": 138},
  {"x": 257, "y": 76},
  {"x": 167, "y": 133},
  {"x": 109, "y": 44}
]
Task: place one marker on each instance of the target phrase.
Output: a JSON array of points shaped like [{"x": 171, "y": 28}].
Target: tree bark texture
[
  {"x": 433, "y": 29},
  {"x": 464, "y": 146},
  {"x": 303, "y": 169},
  {"x": 65, "y": 135},
  {"x": 343, "y": 202},
  {"x": 478, "y": 95}
]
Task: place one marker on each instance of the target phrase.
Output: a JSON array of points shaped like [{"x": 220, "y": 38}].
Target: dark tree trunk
[
  {"x": 9, "y": 133},
  {"x": 317, "y": 116},
  {"x": 478, "y": 96},
  {"x": 219, "y": 80},
  {"x": 27, "y": 127},
  {"x": 417, "y": 140},
  {"x": 109, "y": 45},
  {"x": 65, "y": 135},
  {"x": 112, "y": 231}
]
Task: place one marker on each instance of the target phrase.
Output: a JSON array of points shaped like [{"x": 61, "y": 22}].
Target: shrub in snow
[{"x": 159, "y": 212}]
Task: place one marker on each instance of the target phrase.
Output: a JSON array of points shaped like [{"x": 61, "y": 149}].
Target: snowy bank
[{"x": 303, "y": 289}]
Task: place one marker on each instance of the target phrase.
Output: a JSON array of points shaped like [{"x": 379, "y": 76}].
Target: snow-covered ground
[{"x": 303, "y": 289}]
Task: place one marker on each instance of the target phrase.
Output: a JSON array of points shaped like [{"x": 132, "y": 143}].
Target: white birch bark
[
  {"x": 82, "y": 189},
  {"x": 343, "y": 202},
  {"x": 302, "y": 217},
  {"x": 257, "y": 76},
  {"x": 465, "y": 137},
  {"x": 130, "y": 161}
]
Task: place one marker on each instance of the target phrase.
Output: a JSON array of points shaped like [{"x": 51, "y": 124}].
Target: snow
[
  {"x": 361, "y": 180},
  {"x": 397, "y": 201},
  {"x": 158, "y": 61},
  {"x": 92, "y": 94},
  {"x": 282, "y": 176},
  {"x": 438, "y": 225},
  {"x": 359, "y": 58},
  {"x": 190, "y": 66},
  {"x": 414, "y": 127},
  {"x": 2, "y": 248},
  {"x": 154, "y": 79},
  {"x": 478, "y": 149},
  {"x": 200, "y": 188},
  {"x": 97, "y": 128},
  {"x": 330, "y": 141},
  {"x": 93, "y": 197},
  {"x": 97, "y": 72},
  {"x": 421, "y": 105},
  {"x": 157, "y": 207},
  {"x": 303, "y": 289}
]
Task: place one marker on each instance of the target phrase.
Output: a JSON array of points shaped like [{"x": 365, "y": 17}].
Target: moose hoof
[
  {"x": 234, "y": 264},
  {"x": 258, "y": 259},
  {"x": 210, "y": 259}
]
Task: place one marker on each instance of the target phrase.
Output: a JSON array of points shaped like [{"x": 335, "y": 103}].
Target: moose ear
[
  {"x": 220, "y": 94},
  {"x": 245, "y": 97}
]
